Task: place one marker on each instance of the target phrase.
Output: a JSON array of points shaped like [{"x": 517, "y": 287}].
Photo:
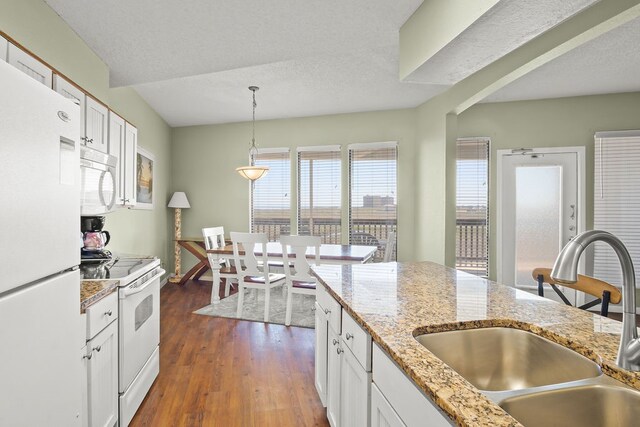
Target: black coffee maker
[{"x": 94, "y": 239}]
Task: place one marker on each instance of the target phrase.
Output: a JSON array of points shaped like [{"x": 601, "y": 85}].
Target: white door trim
[{"x": 580, "y": 151}]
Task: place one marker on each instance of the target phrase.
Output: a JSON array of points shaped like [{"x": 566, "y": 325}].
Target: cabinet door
[
  {"x": 130, "y": 164},
  {"x": 321, "y": 355},
  {"x": 382, "y": 414},
  {"x": 3, "y": 48},
  {"x": 84, "y": 386},
  {"x": 355, "y": 387},
  {"x": 29, "y": 65},
  {"x": 96, "y": 117},
  {"x": 334, "y": 354},
  {"x": 66, "y": 89},
  {"x": 117, "y": 149},
  {"x": 103, "y": 377}
]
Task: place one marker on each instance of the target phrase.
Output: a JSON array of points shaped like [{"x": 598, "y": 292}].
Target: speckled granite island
[{"x": 394, "y": 302}]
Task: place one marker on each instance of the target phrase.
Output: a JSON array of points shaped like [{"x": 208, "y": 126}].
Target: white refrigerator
[{"x": 40, "y": 330}]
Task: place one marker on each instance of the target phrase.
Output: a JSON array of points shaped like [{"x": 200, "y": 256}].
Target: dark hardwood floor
[{"x": 223, "y": 372}]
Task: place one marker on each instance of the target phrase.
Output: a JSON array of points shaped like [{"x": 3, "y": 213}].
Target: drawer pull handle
[
  {"x": 327, "y": 311},
  {"x": 348, "y": 336},
  {"x": 335, "y": 341},
  {"x": 339, "y": 350},
  {"x": 87, "y": 356},
  {"x": 108, "y": 313},
  {"x": 98, "y": 348}
]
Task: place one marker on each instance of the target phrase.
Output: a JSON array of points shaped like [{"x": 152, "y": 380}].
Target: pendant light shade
[{"x": 253, "y": 172}]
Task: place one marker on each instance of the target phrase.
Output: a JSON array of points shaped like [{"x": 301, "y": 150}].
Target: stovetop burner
[{"x": 115, "y": 268}]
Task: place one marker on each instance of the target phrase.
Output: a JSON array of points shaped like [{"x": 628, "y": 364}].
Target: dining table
[{"x": 329, "y": 254}]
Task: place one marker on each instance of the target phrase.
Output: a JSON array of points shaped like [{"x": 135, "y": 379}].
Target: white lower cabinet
[
  {"x": 345, "y": 378},
  {"x": 356, "y": 380},
  {"x": 382, "y": 413},
  {"x": 100, "y": 362},
  {"x": 355, "y": 388},
  {"x": 321, "y": 355},
  {"x": 404, "y": 397},
  {"x": 333, "y": 378}
]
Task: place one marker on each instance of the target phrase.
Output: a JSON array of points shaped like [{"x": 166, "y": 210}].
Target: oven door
[
  {"x": 98, "y": 181},
  {"x": 139, "y": 327}
]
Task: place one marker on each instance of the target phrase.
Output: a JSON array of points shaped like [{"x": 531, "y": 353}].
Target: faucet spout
[{"x": 565, "y": 270}]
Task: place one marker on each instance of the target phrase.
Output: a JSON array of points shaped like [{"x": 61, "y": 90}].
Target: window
[
  {"x": 319, "y": 191},
  {"x": 373, "y": 193},
  {"x": 472, "y": 208},
  {"x": 616, "y": 200},
  {"x": 270, "y": 199}
]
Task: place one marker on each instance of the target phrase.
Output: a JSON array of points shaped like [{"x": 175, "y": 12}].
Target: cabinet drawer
[
  {"x": 331, "y": 308},
  {"x": 357, "y": 339},
  {"x": 101, "y": 314},
  {"x": 409, "y": 402}
]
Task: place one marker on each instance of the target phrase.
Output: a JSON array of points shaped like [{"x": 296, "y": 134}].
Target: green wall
[
  {"x": 38, "y": 28},
  {"x": 547, "y": 123},
  {"x": 205, "y": 158}
]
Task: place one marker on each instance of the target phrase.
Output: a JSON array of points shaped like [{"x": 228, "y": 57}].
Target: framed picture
[{"x": 145, "y": 170}]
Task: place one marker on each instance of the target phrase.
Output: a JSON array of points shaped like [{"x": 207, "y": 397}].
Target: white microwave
[{"x": 98, "y": 182}]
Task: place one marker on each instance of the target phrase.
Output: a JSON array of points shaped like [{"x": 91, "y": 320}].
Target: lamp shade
[
  {"x": 252, "y": 172},
  {"x": 179, "y": 200}
]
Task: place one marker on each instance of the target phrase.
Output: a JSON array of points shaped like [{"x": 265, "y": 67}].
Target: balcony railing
[
  {"x": 364, "y": 231},
  {"x": 472, "y": 237}
]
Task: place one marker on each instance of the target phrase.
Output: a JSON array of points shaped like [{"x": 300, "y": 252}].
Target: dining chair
[
  {"x": 214, "y": 239},
  {"x": 298, "y": 271},
  {"x": 251, "y": 274},
  {"x": 603, "y": 291},
  {"x": 389, "y": 247}
]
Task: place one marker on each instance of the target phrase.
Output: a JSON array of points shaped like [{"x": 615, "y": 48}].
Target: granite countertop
[
  {"x": 92, "y": 291},
  {"x": 395, "y": 301}
]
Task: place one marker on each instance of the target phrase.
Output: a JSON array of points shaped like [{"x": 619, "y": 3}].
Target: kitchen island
[{"x": 394, "y": 302}]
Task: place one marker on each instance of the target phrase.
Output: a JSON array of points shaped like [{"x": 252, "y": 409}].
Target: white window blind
[
  {"x": 373, "y": 201},
  {"x": 616, "y": 200},
  {"x": 270, "y": 195},
  {"x": 472, "y": 207},
  {"x": 319, "y": 190}
]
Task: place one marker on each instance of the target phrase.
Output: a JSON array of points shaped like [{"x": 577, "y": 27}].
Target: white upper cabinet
[
  {"x": 29, "y": 65},
  {"x": 96, "y": 118},
  {"x": 128, "y": 164},
  {"x": 68, "y": 90},
  {"x": 3, "y": 48}
]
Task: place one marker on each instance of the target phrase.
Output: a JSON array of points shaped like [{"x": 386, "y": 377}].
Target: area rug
[{"x": 253, "y": 309}]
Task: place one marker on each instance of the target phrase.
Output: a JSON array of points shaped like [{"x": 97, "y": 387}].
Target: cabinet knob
[
  {"x": 348, "y": 336},
  {"x": 87, "y": 356},
  {"x": 313, "y": 308},
  {"x": 327, "y": 311},
  {"x": 108, "y": 313},
  {"x": 339, "y": 350},
  {"x": 98, "y": 348},
  {"x": 83, "y": 138},
  {"x": 335, "y": 341},
  {"x": 90, "y": 140}
]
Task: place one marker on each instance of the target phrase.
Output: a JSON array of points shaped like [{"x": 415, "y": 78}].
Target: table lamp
[{"x": 178, "y": 202}]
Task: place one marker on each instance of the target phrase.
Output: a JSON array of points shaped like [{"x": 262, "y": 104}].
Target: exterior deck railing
[
  {"x": 472, "y": 237},
  {"x": 365, "y": 231}
]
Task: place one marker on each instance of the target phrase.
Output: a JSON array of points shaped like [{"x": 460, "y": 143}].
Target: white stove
[{"x": 138, "y": 325}]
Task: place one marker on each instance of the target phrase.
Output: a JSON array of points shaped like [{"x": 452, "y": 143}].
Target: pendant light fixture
[{"x": 253, "y": 172}]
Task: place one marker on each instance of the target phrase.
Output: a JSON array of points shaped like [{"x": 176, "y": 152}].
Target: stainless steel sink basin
[
  {"x": 591, "y": 405},
  {"x": 500, "y": 359}
]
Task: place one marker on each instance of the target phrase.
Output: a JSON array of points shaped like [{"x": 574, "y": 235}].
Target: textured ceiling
[
  {"x": 607, "y": 64},
  {"x": 193, "y": 60},
  {"x": 505, "y": 27}
]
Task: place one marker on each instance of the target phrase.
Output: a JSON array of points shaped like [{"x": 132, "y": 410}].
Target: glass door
[{"x": 539, "y": 200}]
